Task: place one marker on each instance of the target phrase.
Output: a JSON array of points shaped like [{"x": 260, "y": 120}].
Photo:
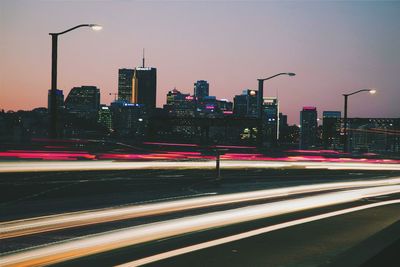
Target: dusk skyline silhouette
[{"x": 333, "y": 47}]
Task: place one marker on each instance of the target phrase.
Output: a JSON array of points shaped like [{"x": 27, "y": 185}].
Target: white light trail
[
  {"x": 107, "y": 241},
  {"x": 251, "y": 233},
  {"x": 210, "y": 164},
  {"x": 68, "y": 220}
]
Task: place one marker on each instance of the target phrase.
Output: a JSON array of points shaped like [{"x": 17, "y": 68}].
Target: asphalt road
[
  {"x": 33, "y": 194},
  {"x": 347, "y": 240}
]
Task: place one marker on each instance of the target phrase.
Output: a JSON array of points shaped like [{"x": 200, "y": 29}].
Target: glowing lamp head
[
  {"x": 252, "y": 92},
  {"x": 96, "y": 27},
  {"x": 372, "y": 91}
]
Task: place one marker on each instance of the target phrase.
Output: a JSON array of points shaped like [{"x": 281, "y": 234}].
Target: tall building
[
  {"x": 105, "y": 118},
  {"x": 59, "y": 99},
  {"x": 145, "y": 87},
  {"x": 125, "y": 79},
  {"x": 308, "y": 127},
  {"x": 331, "y": 123},
  {"x": 201, "y": 89},
  {"x": 271, "y": 119},
  {"x": 83, "y": 101},
  {"x": 245, "y": 105}
]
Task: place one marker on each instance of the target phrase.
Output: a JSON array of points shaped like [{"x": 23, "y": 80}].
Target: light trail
[
  {"x": 209, "y": 164},
  {"x": 89, "y": 245},
  {"x": 232, "y": 238},
  {"x": 69, "y": 220}
]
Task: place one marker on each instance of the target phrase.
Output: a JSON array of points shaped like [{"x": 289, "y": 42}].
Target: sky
[{"x": 333, "y": 47}]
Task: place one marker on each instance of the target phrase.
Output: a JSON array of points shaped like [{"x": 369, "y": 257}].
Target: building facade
[
  {"x": 245, "y": 105},
  {"x": 271, "y": 120},
  {"x": 331, "y": 128},
  {"x": 144, "y": 90},
  {"x": 308, "y": 127},
  {"x": 125, "y": 84},
  {"x": 83, "y": 101},
  {"x": 201, "y": 89}
]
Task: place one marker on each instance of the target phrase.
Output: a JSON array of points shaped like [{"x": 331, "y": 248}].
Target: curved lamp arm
[
  {"x": 372, "y": 91},
  {"x": 282, "y": 73},
  {"x": 95, "y": 27}
]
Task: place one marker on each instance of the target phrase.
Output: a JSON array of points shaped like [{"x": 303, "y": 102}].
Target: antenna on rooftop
[{"x": 143, "y": 59}]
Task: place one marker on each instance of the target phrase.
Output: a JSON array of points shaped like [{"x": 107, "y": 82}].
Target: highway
[{"x": 137, "y": 216}]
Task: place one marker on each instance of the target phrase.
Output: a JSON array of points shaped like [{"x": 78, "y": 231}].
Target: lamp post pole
[
  {"x": 53, "y": 129},
  {"x": 260, "y": 101},
  {"x": 345, "y": 120}
]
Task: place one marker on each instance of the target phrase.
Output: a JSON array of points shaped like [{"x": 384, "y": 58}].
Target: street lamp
[
  {"x": 371, "y": 91},
  {"x": 53, "y": 98},
  {"x": 260, "y": 103}
]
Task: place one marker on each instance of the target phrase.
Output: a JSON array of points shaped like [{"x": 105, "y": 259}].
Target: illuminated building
[
  {"x": 145, "y": 86},
  {"x": 129, "y": 120},
  {"x": 201, "y": 89},
  {"x": 271, "y": 120},
  {"x": 125, "y": 78},
  {"x": 308, "y": 127},
  {"x": 380, "y": 135},
  {"x": 245, "y": 105},
  {"x": 83, "y": 101},
  {"x": 331, "y": 121},
  {"x": 179, "y": 104},
  {"x": 225, "y": 106},
  {"x": 105, "y": 118}
]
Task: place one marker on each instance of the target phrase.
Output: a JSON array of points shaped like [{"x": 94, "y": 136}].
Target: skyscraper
[
  {"x": 145, "y": 86},
  {"x": 125, "y": 79},
  {"x": 201, "y": 89},
  {"x": 308, "y": 127}
]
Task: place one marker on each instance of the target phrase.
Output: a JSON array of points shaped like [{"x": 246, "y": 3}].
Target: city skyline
[{"x": 334, "y": 48}]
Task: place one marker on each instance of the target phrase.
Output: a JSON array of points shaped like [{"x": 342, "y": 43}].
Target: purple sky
[{"x": 333, "y": 47}]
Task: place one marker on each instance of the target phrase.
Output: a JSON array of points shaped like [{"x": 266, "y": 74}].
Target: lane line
[
  {"x": 228, "y": 239},
  {"x": 97, "y": 243},
  {"x": 42, "y": 224}
]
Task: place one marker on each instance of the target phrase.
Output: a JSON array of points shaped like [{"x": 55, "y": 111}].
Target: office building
[
  {"x": 245, "y": 105},
  {"x": 201, "y": 89},
  {"x": 271, "y": 120},
  {"x": 379, "y": 135},
  {"x": 125, "y": 81},
  {"x": 308, "y": 127},
  {"x": 179, "y": 104},
  {"x": 105, "y": 118},
  {"x": 83, "y": 101},
  {"x": 129, "y": 120},
  {"x": 331, "y": 125},
  {"x": 145, "y": 87}
]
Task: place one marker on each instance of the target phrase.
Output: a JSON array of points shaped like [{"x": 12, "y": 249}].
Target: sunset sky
[{"x": 333, "y": 47}]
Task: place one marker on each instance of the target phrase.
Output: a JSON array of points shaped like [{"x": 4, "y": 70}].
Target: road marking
[
  {"x": 98, "y": 243},
  {"x": 220, "y": 241},
  {"x": 69, "y": 220}
]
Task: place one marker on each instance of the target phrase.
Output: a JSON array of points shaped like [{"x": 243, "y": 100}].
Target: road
[{"x": 172, "y": 194}]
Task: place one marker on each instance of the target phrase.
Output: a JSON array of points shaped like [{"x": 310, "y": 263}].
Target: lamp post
[
  {"x": 345, "y": 145},
  {"x": 260, "y": 104},
  {"x": 53, "y": 99}
]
